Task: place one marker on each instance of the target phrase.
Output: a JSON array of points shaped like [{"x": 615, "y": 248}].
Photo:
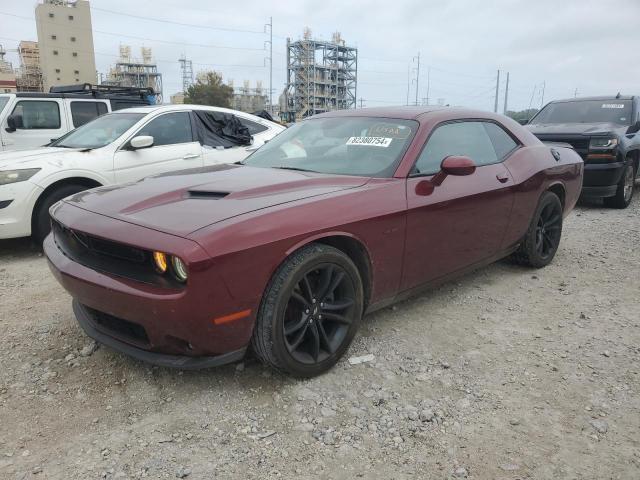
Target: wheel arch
[
  {"x": 559, "y": 189},
  {"x": 351, "y": 246},
  {"x": 83, "y": 181},
  {"x": 635, "y": 157}
]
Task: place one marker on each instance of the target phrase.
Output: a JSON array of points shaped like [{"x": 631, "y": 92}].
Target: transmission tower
[{"x": 187, "y": 73}]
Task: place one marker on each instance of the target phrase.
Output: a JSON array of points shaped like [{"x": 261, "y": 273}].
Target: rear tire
[
  {"x": 543, "y": 236},
  {"x": 310, "y": 312},
  {"x": 624, "y": 192},
  {"x": 41, "y": 223}
]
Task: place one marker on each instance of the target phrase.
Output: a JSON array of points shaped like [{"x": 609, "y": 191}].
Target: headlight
[
  {"x": 602, "y": 143},
  {"x": 14, "y": 176},
  {"x": 179, "y": 269}
]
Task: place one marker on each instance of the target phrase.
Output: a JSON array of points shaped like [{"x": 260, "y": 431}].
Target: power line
[
  {"x": 171, "y": 22},
  {"x": 102, "y": 32}
]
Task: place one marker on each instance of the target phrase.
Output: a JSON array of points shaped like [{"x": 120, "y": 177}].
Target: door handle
[
  {"x": 502, "y": 177},
  {"x": 190, "y": 156}
]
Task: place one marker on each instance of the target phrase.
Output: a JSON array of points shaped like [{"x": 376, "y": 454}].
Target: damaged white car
[{"x": 124, "y": 146}]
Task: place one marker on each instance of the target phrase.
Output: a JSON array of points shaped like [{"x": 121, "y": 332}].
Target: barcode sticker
[{"x": 370, "y": 141}]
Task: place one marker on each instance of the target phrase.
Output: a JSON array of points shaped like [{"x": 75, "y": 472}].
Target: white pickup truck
[{"x": 123, "y": 146}]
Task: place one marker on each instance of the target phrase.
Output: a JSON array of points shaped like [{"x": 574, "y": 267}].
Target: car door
[
  {"x": 174, "y": 148},
  {"x": 38, "y": 122},
  {"x": 463, "y": 220}
]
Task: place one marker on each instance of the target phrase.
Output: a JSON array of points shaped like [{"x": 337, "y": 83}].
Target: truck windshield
[
  {"x": 359, "y": 146},
  {"x": 99, "y": 132},
  {"x": 586, "y": 111},
  {"x": 3, "y": 102}
]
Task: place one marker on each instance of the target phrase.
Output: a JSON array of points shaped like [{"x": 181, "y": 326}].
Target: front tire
[
  {"x": 624, "y": 192},
  {"x": 41, "y": 223},
  {"x": 543, "y": 236},
  {"x": 310, "y": 312}
]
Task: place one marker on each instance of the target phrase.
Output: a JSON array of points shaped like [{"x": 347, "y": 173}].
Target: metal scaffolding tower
[
  {"x": 321, "y": 76},
  {"x": 186, "y": 66},
  {"x": 129, "y": 72},
  {"x": 29, "y": 78}
]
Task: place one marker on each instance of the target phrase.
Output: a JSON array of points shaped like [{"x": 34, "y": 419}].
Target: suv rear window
[{"x": 84, "y": 112}]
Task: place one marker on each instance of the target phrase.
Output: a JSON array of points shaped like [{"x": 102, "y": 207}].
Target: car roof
[
  {"x": 179, "y": 107},
  {"x": 597, "y": 98},
  {"x": 405, "y": 112}
]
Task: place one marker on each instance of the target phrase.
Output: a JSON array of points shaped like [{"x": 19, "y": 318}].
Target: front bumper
[
  {"x": 601, "y": 179},
  {"x": 15, "y": 218},
  {"x": 86, "y": 319},
  {"x": 161, "y": 325}
]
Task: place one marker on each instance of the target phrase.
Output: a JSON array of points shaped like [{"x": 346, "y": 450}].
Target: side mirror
[
  {"x": 523, "y": 121},
  {"x": 458, "y": 166},
  {"x": 635, "y": 128},
  {"x": 14, "y": 122},
  {"x": 141, "y": 141}
]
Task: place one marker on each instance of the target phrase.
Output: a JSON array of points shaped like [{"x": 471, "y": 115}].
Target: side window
[
  {"x": 38, "y": 114},
  {"x": 502, "y": 142},
  {"x": 252, "y": 126},
  {"x": 457, "y": 138},
  {"x": 84, "y": 112},
  {"x": 169, "y": 129}
]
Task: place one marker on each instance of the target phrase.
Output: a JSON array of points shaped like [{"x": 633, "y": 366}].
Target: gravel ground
[{"x": 507, "y": 373}]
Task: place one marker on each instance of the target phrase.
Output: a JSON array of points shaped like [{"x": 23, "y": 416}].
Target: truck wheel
[
  {"x": 310, "y": 312},
  {"x": 624, "y": 192},
  {"x": 41, "y": 223},
  {"x": 543, "y": 237}
]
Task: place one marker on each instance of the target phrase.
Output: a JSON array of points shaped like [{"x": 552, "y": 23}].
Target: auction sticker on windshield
[{"x": 370, "y": 141}]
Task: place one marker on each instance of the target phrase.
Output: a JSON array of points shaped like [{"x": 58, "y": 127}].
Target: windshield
[
  {"x": 586, "y": 111},
  {"x": 362, "y": 146},
  {"x": 3, "y": 102},
  {"x": 99, "y": 132}
]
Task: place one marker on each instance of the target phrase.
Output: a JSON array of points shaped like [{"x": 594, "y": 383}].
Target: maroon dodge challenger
[{"x": 340, "y": 215}]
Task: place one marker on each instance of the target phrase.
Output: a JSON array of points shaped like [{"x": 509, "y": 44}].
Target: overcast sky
[{"x": 588, "y": 45}]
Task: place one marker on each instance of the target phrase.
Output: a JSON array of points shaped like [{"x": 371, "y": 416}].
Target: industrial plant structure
[
  {"x": 247, "y": 99},
  {"x": 321, "y": 76},
  {"x": 141, "y": 73},
  {"x": 29, "y": 75},
  {"x": 7, "y": 75}
]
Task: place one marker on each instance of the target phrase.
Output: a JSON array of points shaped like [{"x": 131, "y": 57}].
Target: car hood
[
  {"x": 182, "y": 202},
  {"x": 38, "y": 157},
  {"x": 573, "y": 128}
]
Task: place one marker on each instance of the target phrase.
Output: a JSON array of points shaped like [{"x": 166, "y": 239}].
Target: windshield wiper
[{"x": 297, "y": 169}]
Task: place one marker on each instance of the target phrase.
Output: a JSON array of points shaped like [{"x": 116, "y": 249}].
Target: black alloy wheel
[
  {"x": 319, "y": 313},
  {"x": 310, "y": 311},
  {"x": 548, "y": 230},
  {"x": 540, "y": 243}
]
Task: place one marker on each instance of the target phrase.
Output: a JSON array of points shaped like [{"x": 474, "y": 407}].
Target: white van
[{"x": 30, "y": 120}]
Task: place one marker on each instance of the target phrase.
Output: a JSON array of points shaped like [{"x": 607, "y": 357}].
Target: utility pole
[
  {"x": 270, "y": 25},
  {"x": 417, "y": 76},
  {"x": 362, "y": 102},
  {"x": 408, "y": 82},
  {"x": 544, "y": 84},
  {"x": 506, "y": 94},
  {"x": 428, "y": 82},
  {"x": 495, "y": 106},
  {"x": 575, "y": 94}
]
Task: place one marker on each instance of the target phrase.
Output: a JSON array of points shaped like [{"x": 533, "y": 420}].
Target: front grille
[
  {"x": 124, "y": 329},
  {"x": 109, "y": 257}
]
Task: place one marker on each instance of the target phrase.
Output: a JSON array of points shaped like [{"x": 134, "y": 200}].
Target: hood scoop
[{"x": 206, "y": 194}]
